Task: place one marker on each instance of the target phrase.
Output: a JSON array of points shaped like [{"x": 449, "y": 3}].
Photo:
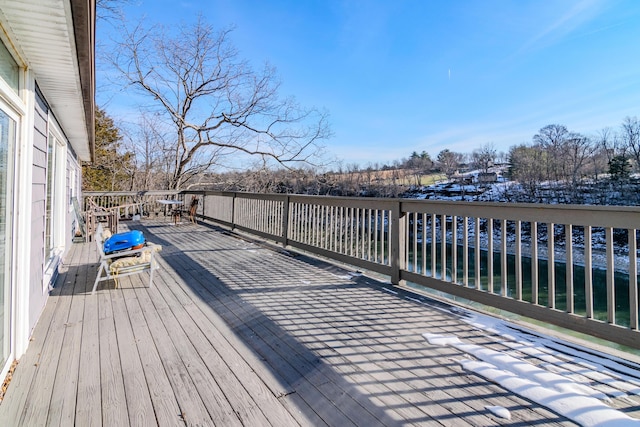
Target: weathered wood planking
[
  {"x": 165, "y": 404},
  {"x": 192, "y": 408},
  {"x": 234, "y": 333},
  {"x": 239, "y": 317},
  {"x": 114, "y": 400},
  {"x": 243, "y": 317},
  {"x": 246, "y": 392},
  {"x": 138, "y": 399},
  {"x": 204, "y": 384},
  {"x": 63, "y": 402},
  {"x": 89, "y": 399}
]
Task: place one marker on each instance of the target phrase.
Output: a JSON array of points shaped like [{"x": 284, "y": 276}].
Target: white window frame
[
  {"x": 58, "y": 200},
  {"x": 8, "y": 344}
]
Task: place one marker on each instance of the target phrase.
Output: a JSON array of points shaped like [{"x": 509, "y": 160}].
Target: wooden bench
[{"x": 122, "y": 264}]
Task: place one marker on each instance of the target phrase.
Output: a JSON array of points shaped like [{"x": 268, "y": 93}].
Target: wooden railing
[
  {"x": 111, "y": 207},
  {"x": 515, "y": 257},
  {"x": 129, "y": 202}
]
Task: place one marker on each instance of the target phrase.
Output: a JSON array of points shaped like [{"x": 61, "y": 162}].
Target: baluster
[
  {"x": 385, "y": 240},
  {"x": 424, "y": 244},
  {"x": 352, "y": 214},
  {"x": 454, "y": 248},
  {"x": 434, "y": 241},
  {"x": 633, "y": 280},
  {"x": 362, "y": 243},
  {"x": 518, "y": 260},
  {"x": 333, "y": 233},
  {"x": 503, "y": 258},
  {"x": 465, "y": 251},
  {"x": 551, "y": 266},
  {"x": 490, "y": 255},
  {"x": 414, "y": 216},
  {"x": 369, "y": 234},
  {"x": 477, "y": 267},
  {"x": 326, "y": 227},
  {"x": 534, "y": 264},
  {"x": 377, "y": 239},
  {"x": 611, "y": 294},
  {"x": 443, "y": 247},
  {"x": 568, "y": 237}
]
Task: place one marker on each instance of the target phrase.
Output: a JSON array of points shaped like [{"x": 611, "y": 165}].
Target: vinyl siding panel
[{"x": 39, "y": 194}]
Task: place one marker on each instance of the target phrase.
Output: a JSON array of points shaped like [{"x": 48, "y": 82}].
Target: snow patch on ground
[
  {"x": 605, "y": 369},
  {"x": 499, "y": 411},
  {"x": 520, "y": 368},
  {"x": 584, "y": 410},
  {"x": 563, "y": 386}
]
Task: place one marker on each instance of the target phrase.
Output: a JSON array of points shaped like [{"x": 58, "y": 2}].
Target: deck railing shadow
[
  {"x": 303, "y": 318},
  {"x": 251, "y": 325}
]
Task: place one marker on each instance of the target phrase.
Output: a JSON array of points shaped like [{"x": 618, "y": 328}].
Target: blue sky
[{"x": 404, "y": 76}]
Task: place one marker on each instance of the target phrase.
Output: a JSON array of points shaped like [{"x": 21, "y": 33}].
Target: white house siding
[
  {"x": 37, "y": 298},
  {"x": 47, "y": 86}
]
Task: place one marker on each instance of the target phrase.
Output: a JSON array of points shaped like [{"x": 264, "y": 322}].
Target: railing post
[
  {"x": 204, "y": 197},
  {"x": 233, "y": 211},
  {"x": 285, "y": 222},
  {"x": 398, "y": 244}
]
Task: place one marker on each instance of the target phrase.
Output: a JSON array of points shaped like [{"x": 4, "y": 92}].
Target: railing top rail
[
  {"x": 581, "y": 215},
  {"x": 539, "y": 206},
  {"x": 129, "y": 193}
]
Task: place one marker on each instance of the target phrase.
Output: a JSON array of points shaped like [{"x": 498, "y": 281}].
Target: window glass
[
  {"x": 9, "y": 70},
  {"x": 49, "y": 244}
]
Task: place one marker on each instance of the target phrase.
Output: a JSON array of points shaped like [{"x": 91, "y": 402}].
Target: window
[
  {"x": 54, "y": 215},
  {"x": 48, "y": 239},
  {"x": 7, "y": 140},
  {"x": 9, "y": 70}
]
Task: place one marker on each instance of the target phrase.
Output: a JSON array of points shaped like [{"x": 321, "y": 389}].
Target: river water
[{"x": 621, "y": 281}]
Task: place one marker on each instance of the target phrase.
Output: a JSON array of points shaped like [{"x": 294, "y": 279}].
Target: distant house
[
  {"x": 47, "y": 85},
  {"x": 487, "y": 177}
]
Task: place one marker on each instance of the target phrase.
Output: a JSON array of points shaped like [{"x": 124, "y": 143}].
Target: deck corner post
[
  {"x": 285, "y": 221},
  {"x": 233, "y": 211},
  {"x": 398, "y": 244}
]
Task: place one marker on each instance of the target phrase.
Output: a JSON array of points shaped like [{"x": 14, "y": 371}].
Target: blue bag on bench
[{"x": 121, "y": 242}]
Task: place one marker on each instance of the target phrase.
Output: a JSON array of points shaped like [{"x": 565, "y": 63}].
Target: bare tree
[
  {"x": 214, "y": 102},
  {"x": 449, "y": 161},
  {"x": 109, "y": 10},
  {"x": 149, "y": 142},
  {"x": 577, "y": 150},
  {"x": 484, "y": 157},
  {"x": 630, "y": 137},
  {"x": 551, "y": 139},
  {"x": 599, "y": 158},
  {"x": 608, "y": 141},
  {"x": 524, "y": 166}
]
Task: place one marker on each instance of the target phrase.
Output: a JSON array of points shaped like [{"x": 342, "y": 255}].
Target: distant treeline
[{"x": 557, "y": 166}]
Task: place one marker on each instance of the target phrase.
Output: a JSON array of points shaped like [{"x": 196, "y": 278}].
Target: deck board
[
  {"x": 139, "y": 404},
  {"x": 246, "y": 397},
  {"x": 239, "y": 333},
  {"x": 62, "y": 410},
  {"x": 192, "y": 409},
  {"x": 89, "y": 398},
  {"x": 165, "y": 403}
]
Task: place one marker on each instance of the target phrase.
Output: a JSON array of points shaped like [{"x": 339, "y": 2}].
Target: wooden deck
[{"x": 237, "y": 333}]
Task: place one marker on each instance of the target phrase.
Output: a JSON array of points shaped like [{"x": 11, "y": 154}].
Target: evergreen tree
[
  {"x": 109, "y": 170},
  {"x": 619, "y": 168}
]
